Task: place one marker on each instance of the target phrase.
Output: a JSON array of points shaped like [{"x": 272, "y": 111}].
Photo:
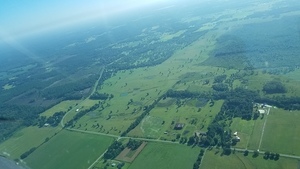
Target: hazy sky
[{"x": 19, "y": 17}]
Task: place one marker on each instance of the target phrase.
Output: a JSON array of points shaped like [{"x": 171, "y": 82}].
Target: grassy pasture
[
  {"x": 143, "y": 86},
  {"x": 159, "y": 155},
  {"x": 68, "y": 150},
  {"x": 213, "y": 160},
  {"x": 25, "y": 139},
  {"x": 256, "y": 82},
  {"x": 282, "y": 132},
  {"x": 256, "y": 134},
  {"x": 244, "y": 129},
  {"x": 169, "y": 36},
  {"x": 82, "y": 105},
  {"x": 164, "y": 116},
  {"x": 62, "y": 106}
]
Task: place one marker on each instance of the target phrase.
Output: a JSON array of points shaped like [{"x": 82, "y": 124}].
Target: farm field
[
  {"x": 178, "y": 77},
  {"x": 213, "y": 160},
  {"x": 25, "y": 139},
  {"x": 282, "y": 132},
  {"x": 68, "y": 150},
  {"x": 168, "y": 156},
  {"x": 195, "y": 114}
]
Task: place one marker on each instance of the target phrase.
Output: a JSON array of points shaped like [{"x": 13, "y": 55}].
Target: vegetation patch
[
  {"x": 68, "y": 150},
  {"x": 161, "y": 155},
  {"x": 286, "y": 127},
  {"x": 129, "y": 154}
]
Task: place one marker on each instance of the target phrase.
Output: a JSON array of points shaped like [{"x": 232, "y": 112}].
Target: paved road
[
  {"x": 91, "y": 166},
  {"x": 262, "y": 152},
  {"x": 119, "y": 137},
  {"x": 93, "y": 91},
  {"x": 263, "y": 129}
]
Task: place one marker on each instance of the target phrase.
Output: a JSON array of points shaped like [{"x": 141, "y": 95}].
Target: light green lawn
[
  {"x": 69, "y": 150},
  {"x": 282, "y": 132},
  {"x": 25, "y": 139},
  {"x": 166, "y": 156}
]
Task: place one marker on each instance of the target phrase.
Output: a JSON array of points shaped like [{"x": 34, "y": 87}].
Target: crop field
[
  {"x": 161, "y": 155},
  {"x": 68, "y": 150},
  {"x": 282, "y": 132},
  {"x": 213, "y": 160},
  {"x": 162, "y": 119},
  {"x": 26, "y": 139}
]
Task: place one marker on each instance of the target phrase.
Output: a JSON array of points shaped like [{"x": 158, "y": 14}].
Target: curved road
[{"x": 93, "y": 91}]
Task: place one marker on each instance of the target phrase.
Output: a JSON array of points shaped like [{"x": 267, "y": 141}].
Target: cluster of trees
[
  {"x": 27, "y": 153},
  {"x": 17, "y": 116},
  {"x": 287, "y": 103},
  {"x": 101, "y": 96},
  {"x": 183, "y": 94},
  {"x": 220, "y": 87},
  {"x": 238, "y": 103},
  {"x": 82, "y": 113},
  {"x": 151, "y": 54},
  {"x": 220, "y": 78},
  {"x": 199, "y": 159},
  {"x": 113, "y": 150},
  {"x": 271, "y": 156},
  {"x": 69, "y": 90},
  {"x": 137, "y": 121},
  {"x": 272, "y": 87},
  {"x": 53, "y": 120},
  {"x": 133, "y": 144}
]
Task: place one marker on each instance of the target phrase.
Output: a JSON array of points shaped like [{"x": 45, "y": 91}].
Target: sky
[{"x": 22, "y": 17}]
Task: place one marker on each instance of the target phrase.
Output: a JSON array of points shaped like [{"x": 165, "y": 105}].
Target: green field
[
  {"x": 282, "y": 132},
  {"x": 25, "y": 139},
  {"x": 62, "y": 106},
  {"x": 161, "y": 155},
  {"x": 244, "y": 129},
  {"x": 142, "y": 86},
  {"x": 213, "y": 160},
  {"x": 68, "y": 150},
  {"x": 195, "y": 115}
]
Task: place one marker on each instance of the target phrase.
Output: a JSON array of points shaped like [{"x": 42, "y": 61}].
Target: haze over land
[{"x": 130, "y": 84}]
